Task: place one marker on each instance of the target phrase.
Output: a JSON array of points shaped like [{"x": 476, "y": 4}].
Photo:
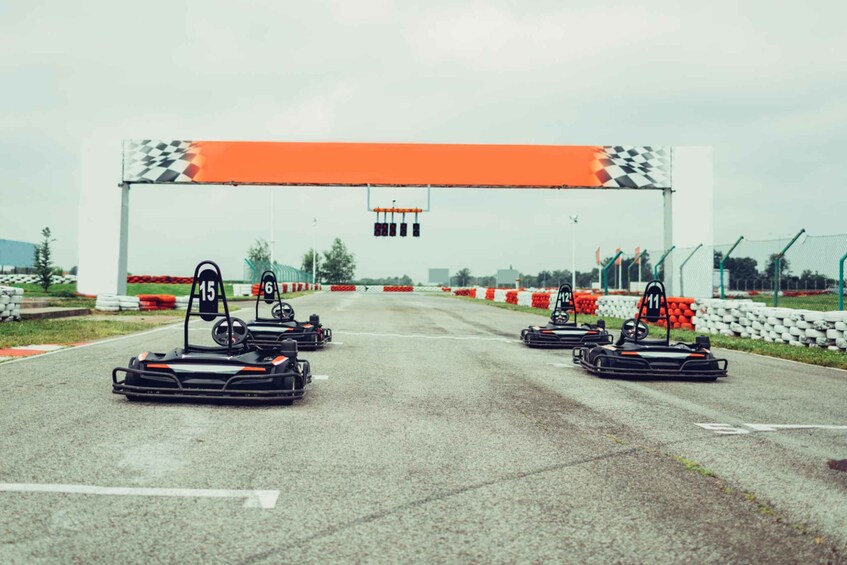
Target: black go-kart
[
  {"x": 633, "y": 355},
  {"x": 561, "y": 333},
  {"x": 232, "y": 369},
  {"x": 269, "y": 333}
]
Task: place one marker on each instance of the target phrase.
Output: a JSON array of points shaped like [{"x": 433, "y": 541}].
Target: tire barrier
[
  {"x": 511, "y": 296},
  {"x": 182, "y": 302},
  {"x": 116, "y": 303},
  {"x": 465, "y": 292},
  {"x": 755, "y": 320},
  {"x": 283, "y": 288},
  {"x": 680, "y": 310},
  {"x": 156, "y": 302},
  {"x": 398, "y": 289},
  {"x": 157, "y": 279},
  {"x": 342, "y": 288},
  {"x": 33, "y": 279},
  {"x": 541, "y": 300},
  {"x": 10, "y": 303}
]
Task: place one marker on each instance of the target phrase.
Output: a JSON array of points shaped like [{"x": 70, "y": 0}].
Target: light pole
[
  {"x": 574, "y": 221},
  {"x": 314, "y": 254},
  {"x": 273, "y": 226}
]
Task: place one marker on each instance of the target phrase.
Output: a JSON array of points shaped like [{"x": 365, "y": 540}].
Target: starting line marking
[
  {"x": 253, "y": 498},
  {"x": 564, "y": 366},
  {"x": 730, "y": 430},
  {"x": 320, "y": 377},
  {"x": 423, "y": 336}
]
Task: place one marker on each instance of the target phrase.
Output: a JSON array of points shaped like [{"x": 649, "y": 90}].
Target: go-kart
[
  {"x": 269, "y": 333},
  {"x": 634, "y": 355},
  {"x": 232, "y": 369},
  {"x": 562, "y": 333}
]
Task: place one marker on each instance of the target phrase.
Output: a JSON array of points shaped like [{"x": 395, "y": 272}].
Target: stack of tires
[
  {"x": 116, "y": 303},
  {"x": 10, "y": 303},
  {"x": 157, "y": 302},
  {"x": 181, "y": 303},
  {"x": 541, "y": 300}
]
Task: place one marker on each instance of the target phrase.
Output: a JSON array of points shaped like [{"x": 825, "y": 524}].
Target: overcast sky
[{"x": 762, "y": 82}]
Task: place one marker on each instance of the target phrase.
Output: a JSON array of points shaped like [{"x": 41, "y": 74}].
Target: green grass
[
  {"x": 64, "y": 331},
  {"x": 813, "y": 356},
  {"x": 822, "y": 302}
]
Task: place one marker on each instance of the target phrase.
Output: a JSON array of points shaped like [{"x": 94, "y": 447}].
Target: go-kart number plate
[
  {"x": 653, "y": 303},
  {"x": 268, "y": 288},
  {"x": 207, "y": 291}
]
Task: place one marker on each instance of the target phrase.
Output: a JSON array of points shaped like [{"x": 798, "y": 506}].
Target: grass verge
[
  {"x": 65, "y": 331},
  {"x": 812, "y": 356}
]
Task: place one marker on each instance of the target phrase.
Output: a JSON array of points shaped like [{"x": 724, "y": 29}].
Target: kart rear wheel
[{"x": 598, "y": 365}]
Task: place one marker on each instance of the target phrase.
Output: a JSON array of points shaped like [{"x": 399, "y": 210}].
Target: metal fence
[
  {"x": 802, "y": 262},
  {"x": 792, "y": 263},
  {"x": 284, "y": 273}
]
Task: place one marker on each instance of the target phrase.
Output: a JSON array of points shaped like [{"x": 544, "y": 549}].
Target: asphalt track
[{"x": 432, "y": 435}]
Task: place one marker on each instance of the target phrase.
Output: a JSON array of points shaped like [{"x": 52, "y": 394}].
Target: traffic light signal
[
  {"x": 393, "y": 229},
  {"x": 403, "y": 229},
  {"x": 416, "y": 230},
  {"x": 384, "y": 229},
  {"x": 377, "y": 229}
]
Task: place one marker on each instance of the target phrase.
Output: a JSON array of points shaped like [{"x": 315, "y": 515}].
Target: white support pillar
[
  {"x": 693, "y": 209},
  {"x": 667, "y": 240},
  {"x": 123, "y": 244}
]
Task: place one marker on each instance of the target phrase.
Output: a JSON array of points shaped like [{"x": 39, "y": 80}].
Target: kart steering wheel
[
  {"x": 283, "y": 311},
  {"x": 220, "y": 331},
  {"x": 560, "y": 317},
  {"x": 634, "y": 331}
]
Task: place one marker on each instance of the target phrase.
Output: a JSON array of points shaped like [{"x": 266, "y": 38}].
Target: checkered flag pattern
[
  {"x": 621, "y": 166},
  {"x": 152, "y": 160}
]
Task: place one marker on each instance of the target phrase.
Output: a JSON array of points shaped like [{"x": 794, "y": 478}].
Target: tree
[
  {"x": 339, "y": 264},
  {"x": 43, "y": 263},
  {"x": 312, "y": 256},
  {"x": 463, "y": 277},
  {"x": 260, "y": 252},
  {"x": 784, "y": 266}
]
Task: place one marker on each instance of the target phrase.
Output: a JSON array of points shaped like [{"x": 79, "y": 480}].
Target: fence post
[
  {"x": 662, "y": 260},
  {"x": 841, "y": 282},
  {"x": 724, "y": 258},
  {"x": 777, "y": 266},
  {"x": 635, "y": 261},
  {"x": 690, "y": 255},
  {"x": 606, "y": 274}
]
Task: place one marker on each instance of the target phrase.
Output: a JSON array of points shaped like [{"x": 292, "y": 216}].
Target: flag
[
  {"x": 638, "y": 255},
  {"x": 620, "y": 257},
  {"x": 598, "y": 255}
]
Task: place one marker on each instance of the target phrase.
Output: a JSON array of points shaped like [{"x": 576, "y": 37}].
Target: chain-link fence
[
  {"x": 284, "y": 273},
  {"x": 798, "y": 263}
]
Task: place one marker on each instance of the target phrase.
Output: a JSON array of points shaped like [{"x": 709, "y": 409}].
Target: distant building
[
  {"x": 439, "y": 277},
  {"x": 16, "y": 254},
  {"x": 506, "y": 278}
]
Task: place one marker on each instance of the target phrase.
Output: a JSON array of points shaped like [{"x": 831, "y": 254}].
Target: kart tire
[{"x": 598, "y": 365}]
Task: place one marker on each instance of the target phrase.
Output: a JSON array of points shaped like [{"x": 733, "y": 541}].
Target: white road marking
[
  {"x": 320, "y": 377},
  {"x": 423, "y": 336},
  {"x": 741, "y": 429},
  {"x": 253, "y": 498},
  {"x": 563, "y": 365},
  {"x": 42, "y": 347}
]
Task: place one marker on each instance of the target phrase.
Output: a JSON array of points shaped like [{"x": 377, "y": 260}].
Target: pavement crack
[{"x": 436, "y": 497}]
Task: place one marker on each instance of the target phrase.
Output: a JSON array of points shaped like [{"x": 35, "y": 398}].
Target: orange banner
[{"x": 394, "y": 164}]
